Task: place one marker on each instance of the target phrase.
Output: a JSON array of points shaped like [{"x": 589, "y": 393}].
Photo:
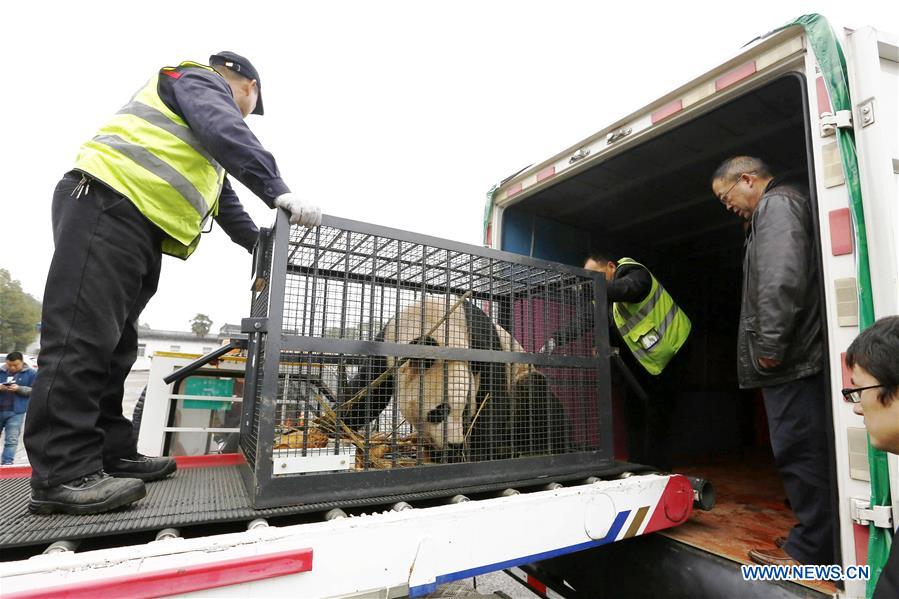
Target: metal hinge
[
  {"x": 831, "y": 122},
  {"x": 862, "y": 512},
  {"x": 866, "y": 112},
  {"x": 616, "y": 135},
  {"x": 254, "y": 325},
  {"x": 579, "y": 155}
]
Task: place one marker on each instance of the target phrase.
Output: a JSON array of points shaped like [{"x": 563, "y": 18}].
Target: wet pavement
[{"x": 135, "y": 382}]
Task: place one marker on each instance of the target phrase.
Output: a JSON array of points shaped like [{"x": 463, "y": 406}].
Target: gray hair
[{"x": 735, "y": 166}]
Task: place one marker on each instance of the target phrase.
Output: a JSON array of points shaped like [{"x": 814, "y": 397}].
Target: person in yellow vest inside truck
[
  {"x": 146, "y": 184},
  {"x": 654, "y": 329}
]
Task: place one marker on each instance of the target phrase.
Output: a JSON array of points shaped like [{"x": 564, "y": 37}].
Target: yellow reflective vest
[
  {"x": 148, "y": 154},
  {"x": 654, "y": 329}
]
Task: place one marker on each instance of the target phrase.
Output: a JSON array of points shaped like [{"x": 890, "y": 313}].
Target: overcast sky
[{"x": 398, "y": 113}]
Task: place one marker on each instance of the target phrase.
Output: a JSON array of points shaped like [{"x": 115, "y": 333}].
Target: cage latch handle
[{"x": 186, "y": 371}]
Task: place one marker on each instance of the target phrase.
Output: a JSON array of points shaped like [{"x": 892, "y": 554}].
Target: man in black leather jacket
[{"x": 780, "y": 346}]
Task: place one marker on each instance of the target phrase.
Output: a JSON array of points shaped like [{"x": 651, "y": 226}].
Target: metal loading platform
[{"x": 205, "y": 490}]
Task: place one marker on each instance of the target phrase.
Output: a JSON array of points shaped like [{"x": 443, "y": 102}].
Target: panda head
[{"x": 438, "y": 397}]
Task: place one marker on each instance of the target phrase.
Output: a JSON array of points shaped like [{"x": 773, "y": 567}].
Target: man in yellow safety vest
[
  {"x": 654, "y": 329},
  {"x": 144, "y": 185}
]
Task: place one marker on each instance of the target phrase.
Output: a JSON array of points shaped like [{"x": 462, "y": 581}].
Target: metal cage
[{"x": 386, "y": 365}]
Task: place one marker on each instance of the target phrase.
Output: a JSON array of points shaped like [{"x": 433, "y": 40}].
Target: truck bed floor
[{"x": 751, "y": 509}]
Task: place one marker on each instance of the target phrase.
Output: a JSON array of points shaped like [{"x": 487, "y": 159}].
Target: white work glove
[{"x": 301, "y": 213}]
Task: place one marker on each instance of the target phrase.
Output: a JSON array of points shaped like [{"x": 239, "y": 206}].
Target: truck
[
  {"x": 642, "y": 183},
  {"x": 822, "y": 109}
]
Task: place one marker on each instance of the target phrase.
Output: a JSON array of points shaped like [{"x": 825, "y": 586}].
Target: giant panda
[{"x": 441, "y": 398}]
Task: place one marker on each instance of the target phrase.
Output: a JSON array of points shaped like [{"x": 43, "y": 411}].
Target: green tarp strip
[{"x": 832, "y": 64}]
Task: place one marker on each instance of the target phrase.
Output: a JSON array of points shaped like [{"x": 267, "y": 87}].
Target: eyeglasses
[
  {"x": 723, "y": 197},
  {"x": 854, "y": 394}
]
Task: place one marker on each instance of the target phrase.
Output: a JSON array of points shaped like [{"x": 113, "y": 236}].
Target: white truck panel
[
  {"x": 385, "y": 553},
  {"x": 873, "y": 60}
]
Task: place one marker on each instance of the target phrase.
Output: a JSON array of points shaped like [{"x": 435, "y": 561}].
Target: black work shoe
[
  {"x": 89, "y": 494},
  {"x": 140, "y": 466}
]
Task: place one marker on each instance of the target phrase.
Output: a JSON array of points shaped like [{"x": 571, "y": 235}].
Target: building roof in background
[{"x": 148, "y": 333}]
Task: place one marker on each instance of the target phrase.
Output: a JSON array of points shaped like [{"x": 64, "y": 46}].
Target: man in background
[{"x": 16, "y": 380}]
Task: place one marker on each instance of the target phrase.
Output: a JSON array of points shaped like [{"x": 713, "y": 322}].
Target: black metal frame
[{"x": 267, "y": 339}]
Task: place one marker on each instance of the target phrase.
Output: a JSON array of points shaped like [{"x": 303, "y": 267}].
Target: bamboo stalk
[
  {"x": 473, "y": 420},
  {"x": 352, "y": 435}
]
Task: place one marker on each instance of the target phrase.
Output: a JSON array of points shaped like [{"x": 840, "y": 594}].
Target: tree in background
[
  {"x": 20, "y": 314},
  {"x": 200, "y": 325}
]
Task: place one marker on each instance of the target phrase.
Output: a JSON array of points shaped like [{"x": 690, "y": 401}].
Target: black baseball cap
[{"x": 241, "y": 66}]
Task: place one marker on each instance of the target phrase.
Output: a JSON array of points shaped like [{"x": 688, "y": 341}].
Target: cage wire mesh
[{"x": 401, "y": 354}]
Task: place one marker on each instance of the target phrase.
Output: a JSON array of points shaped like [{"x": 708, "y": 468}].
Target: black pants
[
  {"x": 105, "y": 268},
  {"x": 798, "y": 438},
  {"x": 648, "y": 421}
]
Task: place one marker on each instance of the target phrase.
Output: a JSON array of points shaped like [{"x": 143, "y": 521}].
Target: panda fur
[{"x": 521, "y": 417}]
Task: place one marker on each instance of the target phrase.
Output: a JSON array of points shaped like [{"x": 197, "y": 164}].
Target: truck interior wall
[{"x": 654, "y": 203}]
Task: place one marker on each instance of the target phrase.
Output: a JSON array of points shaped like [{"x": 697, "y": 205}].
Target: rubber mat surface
[{"x": 190, "y": 497}]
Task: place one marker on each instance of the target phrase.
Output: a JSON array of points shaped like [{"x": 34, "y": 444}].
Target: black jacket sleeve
[
  {"x": 234, "y": 220},
  {"x": 631, "y": 285},
  {"x": 204, "y": 100},
  {"x": 782, "y": 264}
]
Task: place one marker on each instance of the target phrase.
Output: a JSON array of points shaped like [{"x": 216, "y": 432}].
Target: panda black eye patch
[{"x": 439, "y": 414}]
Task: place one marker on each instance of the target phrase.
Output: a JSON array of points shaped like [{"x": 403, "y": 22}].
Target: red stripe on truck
[
  {"x": 209, "y": 461},
  {"x": 15, "y": 472},
  {"x": 182, "y": 580},
  {"x": 546, "y": 173},
  {"x": 823, "y": 98},
  {"x": 536, "y": 585},
  {"x": 840, "y": 232},
  {"x": 737, "y": 74},
  {"x": 674, "y": 507},
  {"x": 846, "y": 372},
  {"x": 184, "y": 462},
  {"x": 513, "y": 189},
  {"x": 664, "y": 112},
  {"x": 861, "y": 534}
]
